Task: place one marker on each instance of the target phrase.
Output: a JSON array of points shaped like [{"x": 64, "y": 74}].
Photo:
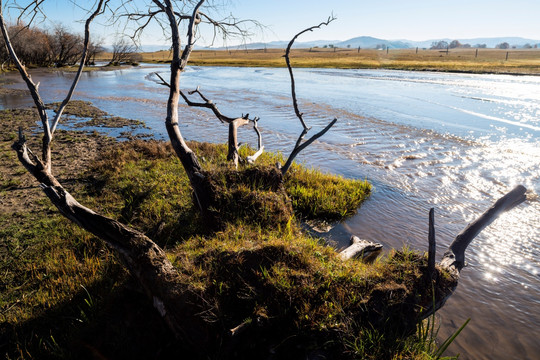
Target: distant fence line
[{"x": 476, "y": 52}]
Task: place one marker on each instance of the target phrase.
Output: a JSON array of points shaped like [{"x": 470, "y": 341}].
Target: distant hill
[
  {"x": 368, "y": 42},
  {"x": 281, "y": 45}
]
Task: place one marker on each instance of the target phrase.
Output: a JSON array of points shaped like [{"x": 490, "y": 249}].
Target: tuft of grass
[
  {"x": 145, "y": 177},
  {"x": 316, "y": 195}
]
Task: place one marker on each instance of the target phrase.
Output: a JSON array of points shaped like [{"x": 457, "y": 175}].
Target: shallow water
[{"x": 451, "y": 141}]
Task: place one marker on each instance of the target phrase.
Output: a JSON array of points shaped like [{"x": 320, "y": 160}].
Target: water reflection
[{"x": 449, "y": 141}]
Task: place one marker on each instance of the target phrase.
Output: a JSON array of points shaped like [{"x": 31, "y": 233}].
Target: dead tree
[
  {"x": 234, "y": 124},
  {"x": 299, "y": 146},
  {"x": 144, "y": 259},
  {"x": 122, "y": 51},
  {"x": 453, "y": 259}
]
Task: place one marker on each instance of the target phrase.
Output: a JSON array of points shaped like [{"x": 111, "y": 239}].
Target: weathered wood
[
  {"x": 234, "y": 124},
  {"x": 260, "y": 148},
  {"x": 432, "y": 243},
  {"x": 48, "y": 129},
  {"x": 454, "y": 257},
  {"x": 364, "y": 250},
  {"x": 289, "y": 67},
  {"x": 299, "y": 146},
  {"x": 232, "y": 154},
  {"x": 145, "y": 260}
]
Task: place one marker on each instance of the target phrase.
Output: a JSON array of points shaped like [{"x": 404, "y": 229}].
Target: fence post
[
  {"x": 507, "y": 56},
  {"x": 476, "y": 54}
]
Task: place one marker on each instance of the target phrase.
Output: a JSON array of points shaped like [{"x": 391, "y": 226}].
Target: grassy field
[{"x": 513, "y": 61}]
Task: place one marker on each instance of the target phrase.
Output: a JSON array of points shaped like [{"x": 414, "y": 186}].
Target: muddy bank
[{"x": 72, "y": 150}]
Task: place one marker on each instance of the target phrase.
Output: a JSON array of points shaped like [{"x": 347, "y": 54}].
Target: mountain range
[{"x": 368, "y": 42}]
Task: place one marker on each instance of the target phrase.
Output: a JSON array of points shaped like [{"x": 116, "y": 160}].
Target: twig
[{"x": 297, "y": 149}]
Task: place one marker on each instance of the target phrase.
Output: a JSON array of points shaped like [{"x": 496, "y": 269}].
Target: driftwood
[
  {"x": 453, "y": 259},
  {"x": 364, "y": 250}
]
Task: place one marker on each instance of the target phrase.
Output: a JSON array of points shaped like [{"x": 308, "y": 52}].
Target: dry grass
[{"x": 520, "y": 61}]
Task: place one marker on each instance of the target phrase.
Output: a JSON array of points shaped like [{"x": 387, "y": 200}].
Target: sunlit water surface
[{"x": 451, "y": 141}]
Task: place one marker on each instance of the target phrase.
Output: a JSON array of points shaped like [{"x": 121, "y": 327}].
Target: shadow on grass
[{"x": 104, "y": 321}]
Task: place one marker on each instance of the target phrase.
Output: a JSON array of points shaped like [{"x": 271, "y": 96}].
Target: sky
[{"x": 385, "y": 19}]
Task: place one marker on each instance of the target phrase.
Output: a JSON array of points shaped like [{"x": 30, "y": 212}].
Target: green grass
[{"x": 63, "y": 293}]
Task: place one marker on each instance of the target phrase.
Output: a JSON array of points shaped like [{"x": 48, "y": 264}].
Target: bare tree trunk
[
  {"x": 185, "y": 154},
  {"x": 146, "y": 261},
  {"x": 232, "y": 154}
]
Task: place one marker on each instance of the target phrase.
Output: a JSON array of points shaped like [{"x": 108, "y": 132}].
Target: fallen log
[{"x": 364, "y": 250}]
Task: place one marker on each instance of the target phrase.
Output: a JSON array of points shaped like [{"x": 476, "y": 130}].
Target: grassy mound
[
  {"x": 148, "y": 186},
  {"x": 285, "y": 295},
  {"x": 288, "y": 295}
]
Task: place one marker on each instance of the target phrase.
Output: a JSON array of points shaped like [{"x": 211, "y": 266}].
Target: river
[{"x": 455, "y": 142}]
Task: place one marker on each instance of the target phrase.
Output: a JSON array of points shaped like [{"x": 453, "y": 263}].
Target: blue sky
[
  {"x": 397, "y": 19},
  {"x": 387, "y": 19}
]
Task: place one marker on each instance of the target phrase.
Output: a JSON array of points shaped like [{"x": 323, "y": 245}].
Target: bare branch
[
  {"x": 455, "y": 255},
  {"x": 260, "y": 148},
  {"x": 287, "y": 59},
  {"x": 62, "y": 107},
  {"x": 31, "y": 162},
  {"x": 195, "y": 19},
  {"x": 33, "y": 9},
  {"x": 299, "y": 148},
  {"x": 32, "y": 87},
  {"x": 229, "y": 26},
  {"x": 163, "y": 81},
  {"x": 207, "y": 104},
  {"x": 48, "y": 129},
  {"x": 234, "y": 123}
]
